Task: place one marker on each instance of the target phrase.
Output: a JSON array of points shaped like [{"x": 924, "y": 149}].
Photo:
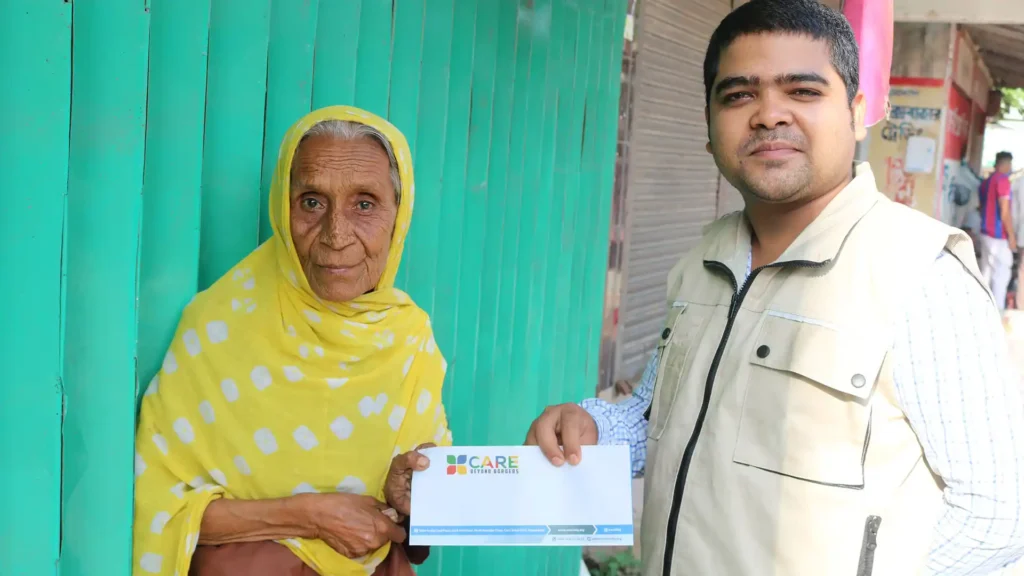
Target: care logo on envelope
[{"x": 512, "y": 496}]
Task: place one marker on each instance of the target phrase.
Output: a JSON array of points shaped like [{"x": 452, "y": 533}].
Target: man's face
[
  {"x": 780, "y": 123},
  {"x": 1006, "y": 166}
]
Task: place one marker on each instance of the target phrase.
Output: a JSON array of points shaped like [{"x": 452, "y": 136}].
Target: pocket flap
[
  {"x": 675, "y": 309},
  {"x": 679, "y": 336},
  {"x": 845, "y": 360}
]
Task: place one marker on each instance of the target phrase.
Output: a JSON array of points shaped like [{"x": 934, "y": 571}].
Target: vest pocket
[
  {"x": 806, "y": 412},
  {"x": 682, "y": 329}
]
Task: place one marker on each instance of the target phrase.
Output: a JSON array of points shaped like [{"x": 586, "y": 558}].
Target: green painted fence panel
[
  {"x": 590, "y": 177},
  {"x": 289, "y": 84},
  {"x": 602, "y": 168},
  {"x": 337, "y": 42},
  {"x": 524, "y": 198},
  {"x": 507, "y": 399},
  {"x": 584, "y": 213},
  {"x": 453, "y": 183},
  {"x": 466, "y": 351},
  {"x": 35, "y": 108},
  {"x": 451, "y": 174},
  {"x": 421, "y": 255},
  {"x": 555, "y": 309},
  {"x": 485, "y": 422},
  {"x": 104, "y": 214},
  {"x": 406, "y": 54},
  {"x": 171, "y": 193},
  {"x": 373, "y": 56},
  {"x": 175, "y": 116},
  {"x": 233, "y": 151}
]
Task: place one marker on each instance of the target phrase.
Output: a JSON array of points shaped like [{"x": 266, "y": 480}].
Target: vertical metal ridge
[
  {"x": 607, "y": 139},
  {"x": 66, "y": 156},
  {"x": 551, "y": 342},
  {"x": 596, "y": 240},
  {"x": 577, "y": 355},
  {"x": 450, "y": 227},
  {"x": 172, "y": 180},
  {"x": 445, "y": 231},
  {"x": 404, "y": 94},
  {"x": 290, "y": 65},
  {"x": 576, "y": 191},
  {"x": 105, "y": 181},
  {"x": 337, "y": 42},
  {"x": 465, "y": 391},
  {"x": 35, "y": 107},
  {"x": 490, "y": 325},
  {"x": 373, "y": 57},
  {"x": 233, "y": 148},
  {"x": 421, "y": 255}
]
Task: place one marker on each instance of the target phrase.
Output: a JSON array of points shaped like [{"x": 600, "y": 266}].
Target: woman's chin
[
  {"x": 340, "y": 296},
  {"x": 334, "y": 289}
]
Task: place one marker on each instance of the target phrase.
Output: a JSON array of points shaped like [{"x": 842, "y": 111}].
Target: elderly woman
[{"x": 267, "y": 443}]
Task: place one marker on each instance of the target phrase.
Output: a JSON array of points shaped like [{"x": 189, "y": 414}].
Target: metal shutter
[{"x": 673, "y": 181}]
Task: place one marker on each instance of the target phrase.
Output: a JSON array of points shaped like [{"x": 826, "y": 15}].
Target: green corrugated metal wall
[{"x": 136, "y": 143}]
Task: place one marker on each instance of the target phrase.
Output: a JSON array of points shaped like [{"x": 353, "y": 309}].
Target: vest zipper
[
  {"x": 867, "y": 549},
  {"x": 738, "y": 293}
]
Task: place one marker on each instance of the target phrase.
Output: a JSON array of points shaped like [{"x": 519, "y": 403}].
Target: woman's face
[{"x": 343, "y": 212}]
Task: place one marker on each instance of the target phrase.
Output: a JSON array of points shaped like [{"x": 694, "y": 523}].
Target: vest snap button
[
  {"x": 763, "y": 351},
  {"x": 666, "y": 333},
  {"x": 858, "y": 381}
]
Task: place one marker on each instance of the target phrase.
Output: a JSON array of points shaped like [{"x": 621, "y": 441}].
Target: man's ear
[
  {"x": 707, "y": 121},
  {"x": 860, "y": 108}
]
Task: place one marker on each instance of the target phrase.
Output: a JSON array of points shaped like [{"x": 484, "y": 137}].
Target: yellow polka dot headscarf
[{"x": 267, "y": 391}]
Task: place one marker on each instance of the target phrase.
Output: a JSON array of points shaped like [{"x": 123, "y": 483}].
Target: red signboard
[{"x": 958, "y": 124}]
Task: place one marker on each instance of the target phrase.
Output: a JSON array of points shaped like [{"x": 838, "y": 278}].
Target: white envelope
[{"x": 512, "y": 496}]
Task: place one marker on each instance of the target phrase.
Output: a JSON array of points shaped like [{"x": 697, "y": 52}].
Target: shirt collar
[{"x": 819, "y": 243}]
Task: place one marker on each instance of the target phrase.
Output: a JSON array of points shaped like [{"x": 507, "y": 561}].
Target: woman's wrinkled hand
[
  {"x": 398, "y": 487},
  {"x": 351, "y": 524}
]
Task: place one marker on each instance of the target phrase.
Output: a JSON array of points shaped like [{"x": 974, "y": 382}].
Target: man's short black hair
[
  {"x": 797, "y": 17},
  {"x": 1004, "y": 156}
]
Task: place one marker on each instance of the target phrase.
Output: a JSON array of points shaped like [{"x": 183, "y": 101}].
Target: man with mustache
[{"x": 831, "y": 394}]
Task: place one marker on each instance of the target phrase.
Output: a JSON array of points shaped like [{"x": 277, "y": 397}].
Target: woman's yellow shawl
[{"x": 267, "y": 391}]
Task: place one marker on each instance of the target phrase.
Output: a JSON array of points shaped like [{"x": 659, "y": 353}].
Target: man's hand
[
  {"x": 560, "y": 431},
  {"x": 1011, "y": 239},
  {"x": 351, "y": 524},
  {"x": 398, "y": 486}
]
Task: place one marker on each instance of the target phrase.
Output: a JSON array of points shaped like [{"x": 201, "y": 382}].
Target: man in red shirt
[{"x": 997, "y": 238}]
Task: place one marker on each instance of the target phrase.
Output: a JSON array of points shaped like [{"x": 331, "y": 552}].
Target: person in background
[
  {"x": 1013, "y": 296},
  {"x": 832, "y": 392},
  {"x": 998, "y": 236}
]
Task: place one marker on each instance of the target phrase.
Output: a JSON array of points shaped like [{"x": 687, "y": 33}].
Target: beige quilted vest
[{"x": 776, "y": 444}]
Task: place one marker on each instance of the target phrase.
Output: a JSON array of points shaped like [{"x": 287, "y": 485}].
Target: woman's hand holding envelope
[
  {"x": 398, "y": 486},
  {"x": 560, "y": 431}
]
